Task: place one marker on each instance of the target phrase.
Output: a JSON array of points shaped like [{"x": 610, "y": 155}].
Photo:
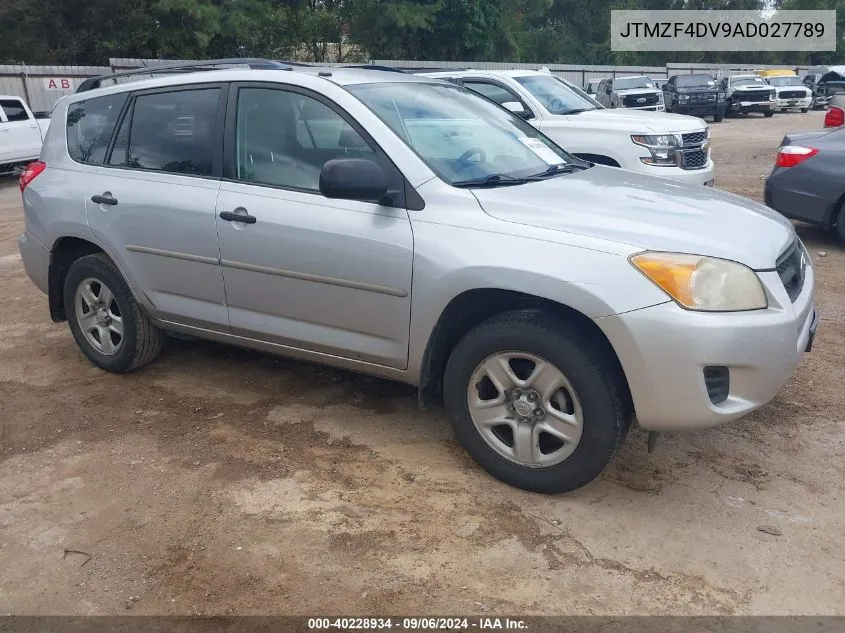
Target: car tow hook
[{"x": 652, "y": 440}]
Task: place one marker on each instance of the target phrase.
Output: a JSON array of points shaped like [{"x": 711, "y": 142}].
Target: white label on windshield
[{"x": 543, "y": 151}]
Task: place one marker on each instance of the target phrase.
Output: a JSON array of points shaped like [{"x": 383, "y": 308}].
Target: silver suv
[{"x": 404, "y": 227}]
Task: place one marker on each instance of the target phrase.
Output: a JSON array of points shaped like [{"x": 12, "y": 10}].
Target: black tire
[
  {"x": 141, "y": 340},
  {"x": 840, "y": 222},
  {"x": 805, "y": 110},
  {"x": 768, "y": 115},
  {"x": 717, "y": 118},
  {"x": 590, "y": 367}
]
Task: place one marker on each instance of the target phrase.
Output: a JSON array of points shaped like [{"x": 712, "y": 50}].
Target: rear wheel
[
  {"x": 104, "y": 318},
  {"x": 840, "y": 222},
  {"x": 539, "y": 405}
]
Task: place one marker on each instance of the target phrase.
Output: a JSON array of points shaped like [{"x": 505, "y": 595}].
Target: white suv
[
  {"x": 636, "y": 93},
  {"x": 655, "y": 143}
]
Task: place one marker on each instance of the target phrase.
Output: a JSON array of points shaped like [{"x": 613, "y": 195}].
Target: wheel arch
[
  {"x": 65, "y": 251},
  {"x": 472, "y": 307},
  {"x": 599, "y": 159}
]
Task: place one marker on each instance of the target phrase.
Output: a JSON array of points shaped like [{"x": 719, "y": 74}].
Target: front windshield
[
  {"x": 785, "y": 81},
  {"x": 462, "y": 137},
  {"x": 629, "y": 83},
  {"x": 748, "y": 81},
  {"x": 583, "y": 93},
  {"x": 695, "y": 81},
  {"x": 556, "y": 96}
]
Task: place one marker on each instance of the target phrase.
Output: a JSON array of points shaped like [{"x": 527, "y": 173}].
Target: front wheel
[
  {"x": 538, "y": 404},
  {"x": 768, "y": 115},
  {"x": 107, "y": 323},
  {"x": 805, "y": 110},
  {"x": 717, "y": 118}
]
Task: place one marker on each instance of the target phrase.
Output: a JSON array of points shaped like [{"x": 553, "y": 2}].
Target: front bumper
[
  {"x": 701, "y": 110},
  {"x": 664, "y": 350},
  {"x": 703, "y": 176},
  {"x": 785, "y": 104},
  {"x": 36, "y": 260},
  {"x": 754, "y": 106},
  {"x": 660, "y": 107}
]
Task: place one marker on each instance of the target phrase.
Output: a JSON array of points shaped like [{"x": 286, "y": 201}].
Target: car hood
[
  {"x": 647, "y": 213},
  {"x": 628, "y": 91},
  {"x": 633, "y": 121},
  {"x": 696, "y": 90},
  {"x": 752, "y": 87}
]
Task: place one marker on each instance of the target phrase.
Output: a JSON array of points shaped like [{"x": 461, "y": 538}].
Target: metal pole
[{"x": 26, "y": 89}]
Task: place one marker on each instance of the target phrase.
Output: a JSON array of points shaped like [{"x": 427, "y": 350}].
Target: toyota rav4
[{"x": 403, "y": 227}]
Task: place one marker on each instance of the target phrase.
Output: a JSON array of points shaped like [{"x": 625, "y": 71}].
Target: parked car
[
  {"x": 21, "y": 133},
  {"x": 807, "y": 182},
  {"x": 545, "y": 299},
  {"x": 698, "y": 95},
  {"x": 749, "y": 93},
  {"x": 637, "y": 93},
  {"x": 648, "y": 142},
  {"x": 821, "y": 78},
  {"x": 791, "y": 93},
  {"x": 835, "y": 116}
]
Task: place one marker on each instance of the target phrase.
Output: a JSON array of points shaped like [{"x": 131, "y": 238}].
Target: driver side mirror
[
  {"x": 353, "y": 179},
  {"x": 517, "y": 108}
]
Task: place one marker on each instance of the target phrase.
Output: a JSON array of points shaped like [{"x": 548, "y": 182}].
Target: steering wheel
[
  {"x": 556, "y": 105},
  {"x": 472, "y": 151}
]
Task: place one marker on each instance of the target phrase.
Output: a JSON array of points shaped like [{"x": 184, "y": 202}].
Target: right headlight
[
  {"x": 683, "y": 97},
  {"x": 662, "y": 148},
  {"x": 707, "y": 284}
]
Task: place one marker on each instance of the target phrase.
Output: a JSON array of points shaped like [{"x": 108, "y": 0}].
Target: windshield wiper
[
  {"x": 493, "y": 180},
  {"x": 559, "y": 168},
  {"x": 576, "y": 110}
]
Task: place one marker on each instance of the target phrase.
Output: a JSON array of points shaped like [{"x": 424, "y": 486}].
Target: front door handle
[
  {"x": 104, "y": 199},
  {"x": 244, "y": 217}
]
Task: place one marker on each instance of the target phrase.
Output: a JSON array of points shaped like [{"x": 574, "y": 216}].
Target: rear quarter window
[
  {"x": 14, "y": 110},
  {"x": 90, "y": 125}
]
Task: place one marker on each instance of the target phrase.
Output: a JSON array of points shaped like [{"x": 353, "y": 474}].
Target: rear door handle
[
  {"x": 105, "y": 199},
  {"x": 244, "y": 217}
]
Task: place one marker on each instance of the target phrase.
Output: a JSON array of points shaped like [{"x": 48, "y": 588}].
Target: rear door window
[
  {"x": 14, "y": 110},
  {"x": 172, "y": 132},
  {"x": 90, "y": 124}
]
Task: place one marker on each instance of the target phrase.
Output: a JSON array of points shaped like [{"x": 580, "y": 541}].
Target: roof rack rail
[
  {"x": 387, "y": 69},
  {"x": 185, "y": 67}
]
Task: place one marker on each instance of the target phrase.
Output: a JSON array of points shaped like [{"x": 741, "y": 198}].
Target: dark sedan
[{"x": 808, "y": 180}]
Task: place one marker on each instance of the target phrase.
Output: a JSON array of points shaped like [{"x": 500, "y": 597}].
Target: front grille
[
  {"x": 702, "y": 98},
  {"x": 718, "y": 383},
  {"x": 633, "y": 101},
  {"x": 791, "y": 267},
  {"x": 695, "y": 159},
  {"x": 694, "y": 138},
  {"x": 754, "y": 96},
  {"x": 793, "y": 94}
]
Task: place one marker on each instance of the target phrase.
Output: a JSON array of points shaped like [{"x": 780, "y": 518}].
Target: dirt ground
[{"x": 219, "y": 481}]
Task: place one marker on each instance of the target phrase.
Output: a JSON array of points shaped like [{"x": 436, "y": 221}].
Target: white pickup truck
[
  {"x": 21, "y": 134},
  {"x": 655, "y": 143}
]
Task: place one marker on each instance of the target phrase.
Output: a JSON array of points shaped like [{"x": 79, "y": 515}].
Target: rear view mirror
[{"x": 353, "y": 179}]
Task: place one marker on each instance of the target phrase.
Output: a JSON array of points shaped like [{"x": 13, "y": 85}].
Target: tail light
[
  {"x": 834, "y": 117},
  {"x": 31, "y": 172},
  {"x": 792, "y": 155}
]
